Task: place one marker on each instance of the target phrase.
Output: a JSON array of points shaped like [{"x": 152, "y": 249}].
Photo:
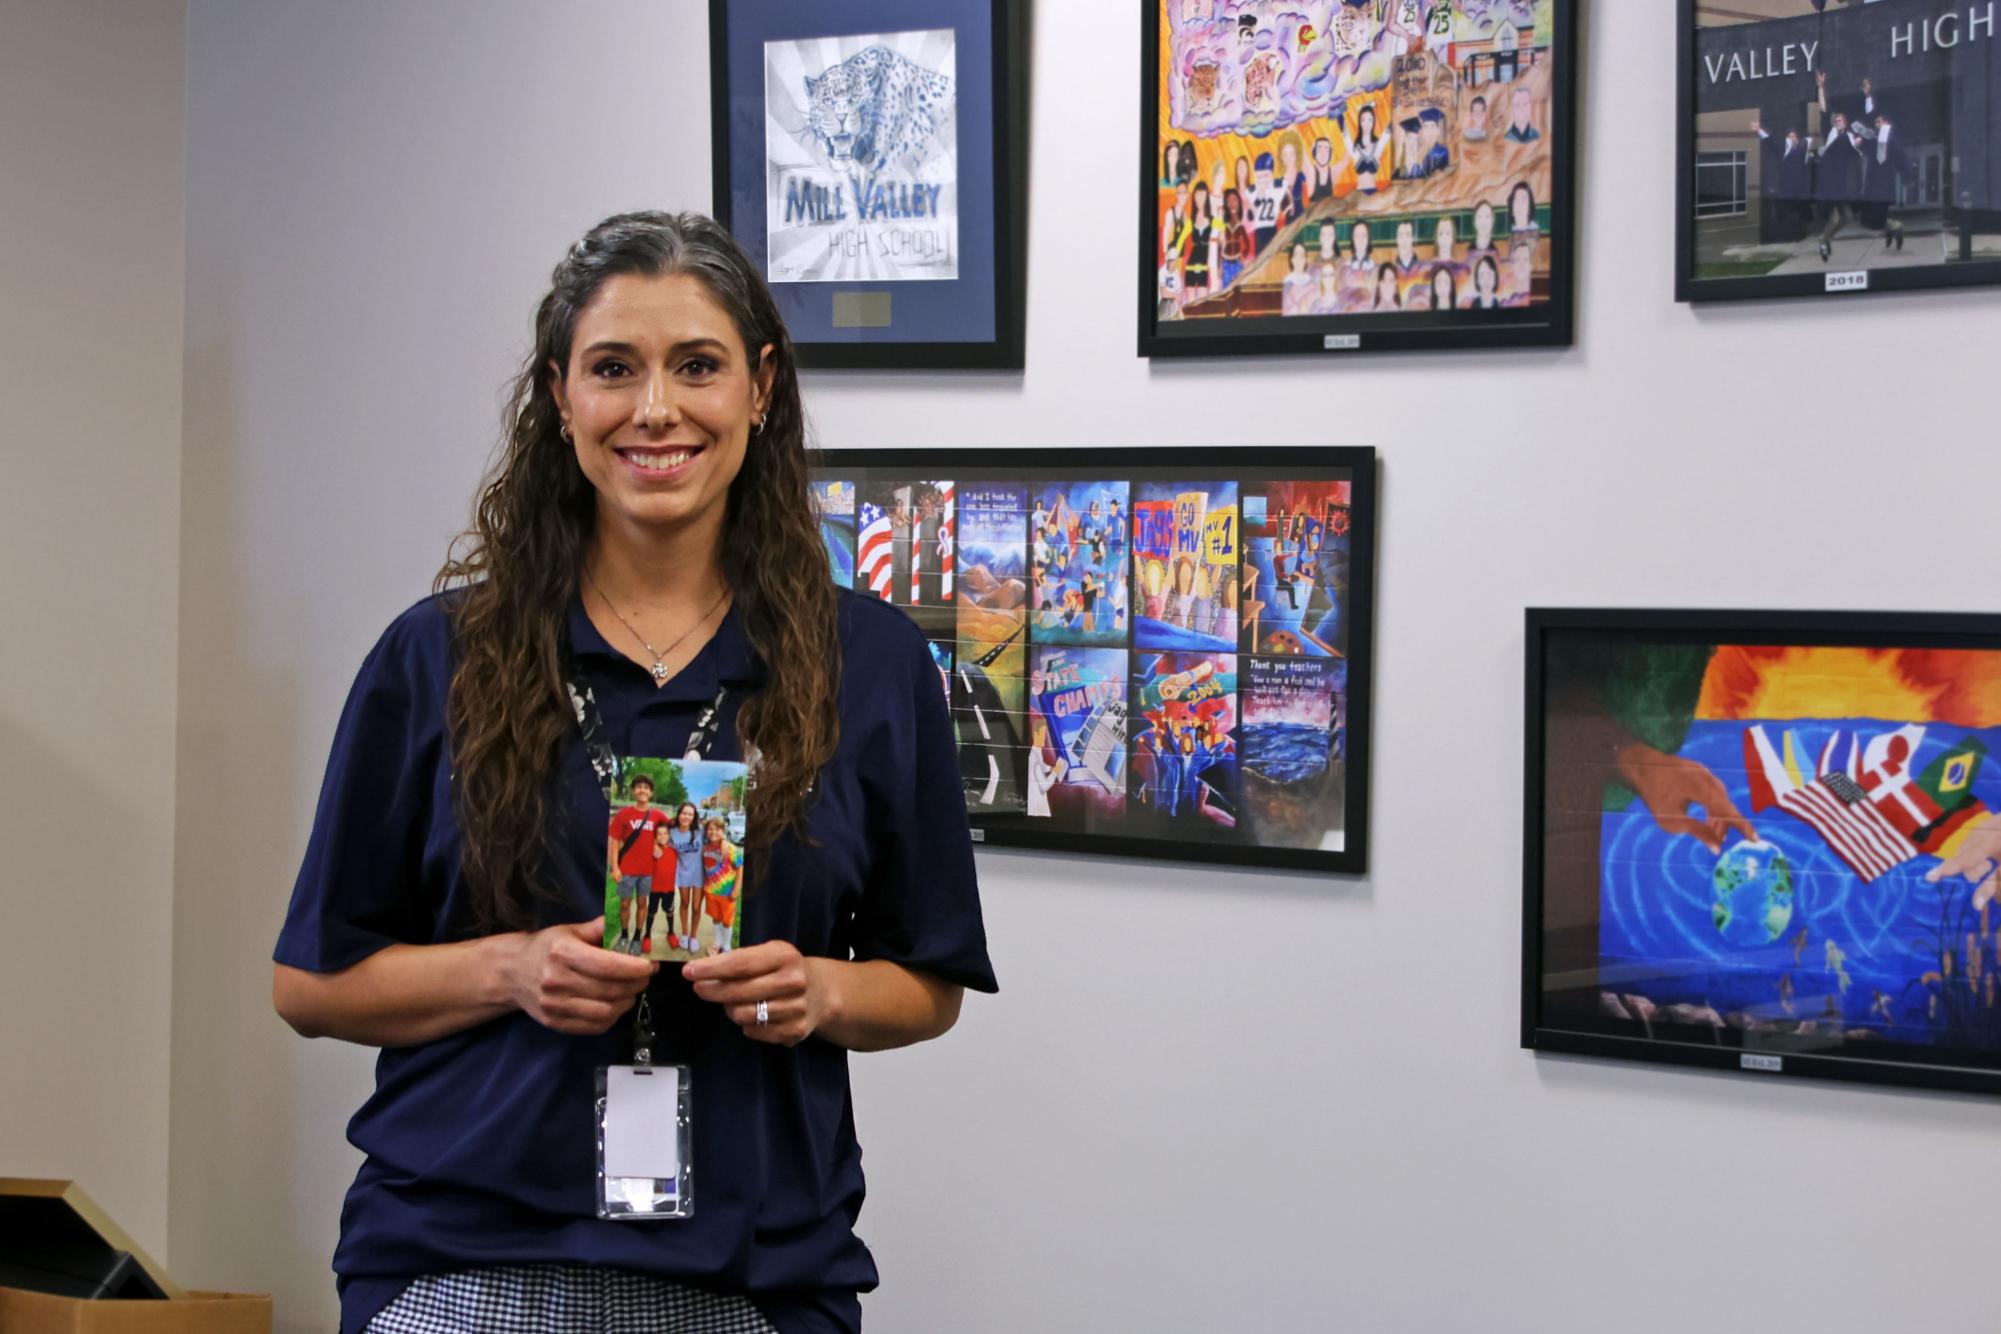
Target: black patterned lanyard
[{"x": 590, "y": 722}]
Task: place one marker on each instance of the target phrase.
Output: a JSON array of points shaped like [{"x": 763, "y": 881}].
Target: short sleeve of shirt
[
  {"x": 360, "y": 887},
  {"x": 921, "y": 908}
]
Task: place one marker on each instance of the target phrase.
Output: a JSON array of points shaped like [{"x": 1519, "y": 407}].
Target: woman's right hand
[{"x": 565, "y": 979}]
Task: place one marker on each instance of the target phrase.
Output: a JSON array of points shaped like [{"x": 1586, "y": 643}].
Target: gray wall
[
  {"x": 90, "y": 372},
  {"x": 1204, "y": 1101}
]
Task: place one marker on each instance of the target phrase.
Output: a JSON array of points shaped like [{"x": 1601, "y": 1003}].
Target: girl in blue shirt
[
  {"x": 646, "y": 536},
  {"x": 684, "y": 840}
]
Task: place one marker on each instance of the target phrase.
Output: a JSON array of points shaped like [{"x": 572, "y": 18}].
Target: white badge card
[{"x": 644, "y": 1134}]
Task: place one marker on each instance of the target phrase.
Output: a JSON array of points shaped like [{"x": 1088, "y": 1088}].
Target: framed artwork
[
  {"x": 1837, "y": 146},
  {"x": 864, "y": 156},
  {"x": 1766, "y": 842},
  {"x": 1147, "y": 654},
  {"x": 1356, "y": 175}
]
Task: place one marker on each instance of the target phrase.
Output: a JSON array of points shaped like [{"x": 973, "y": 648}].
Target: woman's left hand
[{"x": 790, "y": 986}]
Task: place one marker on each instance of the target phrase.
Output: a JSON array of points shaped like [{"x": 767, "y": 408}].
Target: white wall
[
  {"x": 1203, "y": 1101},
  {"x": 90, "y": 372}
]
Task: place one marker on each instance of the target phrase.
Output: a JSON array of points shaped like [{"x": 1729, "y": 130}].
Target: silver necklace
[{"x": 659, "y": 667}]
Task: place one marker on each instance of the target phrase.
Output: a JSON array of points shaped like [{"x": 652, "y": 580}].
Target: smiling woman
[{"x": 643, "y": 579}]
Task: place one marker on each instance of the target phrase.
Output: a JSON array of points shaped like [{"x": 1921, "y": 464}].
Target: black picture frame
[
  {"x": 1356, "y": 466},
  {"x": 1860, "y": 32},
  {"x": 1548, "y": 324},
  {"x": 982, "y": 308},
  {"x": 1553, "y": 953}
]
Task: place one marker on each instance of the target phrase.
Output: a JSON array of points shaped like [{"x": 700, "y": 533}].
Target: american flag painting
[
  {"x": 872, "y": 554},
  {"x": 1834, "y": 803}
]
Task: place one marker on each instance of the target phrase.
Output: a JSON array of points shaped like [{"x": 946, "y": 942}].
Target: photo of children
[{"x": 674, "y": 826}]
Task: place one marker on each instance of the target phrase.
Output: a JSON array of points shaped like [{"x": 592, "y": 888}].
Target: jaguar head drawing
[{"x": 876, "y": 107}]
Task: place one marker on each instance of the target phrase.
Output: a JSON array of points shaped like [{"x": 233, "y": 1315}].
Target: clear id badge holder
[{"x": 644, "y": 1133}]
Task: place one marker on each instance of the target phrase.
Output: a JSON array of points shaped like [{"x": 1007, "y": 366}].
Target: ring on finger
[{"x": 763, "y": 1013}]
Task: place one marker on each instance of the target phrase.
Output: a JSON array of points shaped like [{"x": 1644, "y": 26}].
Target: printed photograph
[
  {"x": 1077, "y": 563},
  {"x": 1185, "y": 579},
  {"x": 862, "y": 158},
  {"x": 1842, "y": 138},
  {"x": 1295, "y": 574},
  {"x": 1353, "y": 157},
  {"x": 1796, "y": 843},
  {"x": 674, "y": 857}
]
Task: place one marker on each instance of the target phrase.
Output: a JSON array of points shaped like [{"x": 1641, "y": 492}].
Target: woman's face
[
  {"x": 1299, "y": 259},
  {"x": 1483, "y": 225},
  {"x": 1446, "y": 238},
  {"x": 1358, "y": 241},
  {"x": 1522, "y": 207},
  {"x": 1487, "y": 276},
  {"x": 1441, "y": 291},
  {"x": 1366, "y": 123},
  {"x": 685, "y": 817},
  {"x": 659, "y": 397}
]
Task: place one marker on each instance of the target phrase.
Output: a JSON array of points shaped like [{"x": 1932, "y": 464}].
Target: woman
[
  {"x": 1197, "y": 264},
  {"x": 1236, "y": 237},
  {"x": 1368, "y": 150},
  {"x": 1522, "y": 225},
  {"x": 1486, "y": 284},
  {"x": 651, "y": 492},
  {"x": 1483, "y": 235},
  {"x": 1444, "y": 289},
  {"x": 1296, "y": 296},
  {"x": 1292, "y": 180},
  {"x": 1388, "y": 295},
  {"x": 685, "y": 840}
]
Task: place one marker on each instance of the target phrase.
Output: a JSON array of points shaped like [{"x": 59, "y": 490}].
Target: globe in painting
[{"x": 1754, "y": 893}]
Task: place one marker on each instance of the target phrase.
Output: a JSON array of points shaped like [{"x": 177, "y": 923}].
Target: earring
[
  {"x": 564, "y": 431},
  {"x": 759, "y": 427}
]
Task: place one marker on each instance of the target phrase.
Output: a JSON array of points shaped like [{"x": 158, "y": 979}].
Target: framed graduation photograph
[
  {"x": 1159, "y": 653},
  {"x": 865, "y": 156},
  {"x": 1356, "y": 175},
  {"x": 1830, "y": 147},
  {"x": 1766, "y": 842}
]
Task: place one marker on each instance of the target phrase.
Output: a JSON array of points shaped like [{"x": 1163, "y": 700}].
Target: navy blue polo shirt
[{"x": 480, "y": 1146}]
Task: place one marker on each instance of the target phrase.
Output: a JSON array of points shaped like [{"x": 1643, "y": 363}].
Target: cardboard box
[{"x": 197, "y": 1313}]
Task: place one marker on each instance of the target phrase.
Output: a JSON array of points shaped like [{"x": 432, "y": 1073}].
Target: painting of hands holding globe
[{"x": 1758, "y": 842}]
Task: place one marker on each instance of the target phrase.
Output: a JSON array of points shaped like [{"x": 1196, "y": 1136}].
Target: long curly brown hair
[{"x": 515, "y": 570}]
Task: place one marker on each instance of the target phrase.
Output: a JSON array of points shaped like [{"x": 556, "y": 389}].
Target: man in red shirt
[{"x": 629, "y": 859}]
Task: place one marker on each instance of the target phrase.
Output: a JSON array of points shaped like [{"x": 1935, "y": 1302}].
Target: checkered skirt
[{"x": 563, "y": 1299}]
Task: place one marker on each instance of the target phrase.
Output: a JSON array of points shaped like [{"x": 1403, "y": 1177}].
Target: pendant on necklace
[{"x": 660, "y": 672}]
